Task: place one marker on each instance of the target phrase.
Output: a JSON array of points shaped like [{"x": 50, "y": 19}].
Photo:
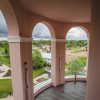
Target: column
[
  {"x": 58, "y": 61},
  {"x": 93, "y": 80},
  {"x": 21, "y": 66}
]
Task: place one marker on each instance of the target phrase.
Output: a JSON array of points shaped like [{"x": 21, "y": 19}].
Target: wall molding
[
  {"x": 12, "y": 39},
  {"x": 19, "y": 39},
  {"x": 58, "y": 40}
]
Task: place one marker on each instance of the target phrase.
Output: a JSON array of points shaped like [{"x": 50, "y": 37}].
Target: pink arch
[{"x": 88, "y": 35}]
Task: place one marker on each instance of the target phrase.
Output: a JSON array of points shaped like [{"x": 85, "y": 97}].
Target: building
[
  {"x": 59, "y": 16},
  {"x": 47, "y": 57}
]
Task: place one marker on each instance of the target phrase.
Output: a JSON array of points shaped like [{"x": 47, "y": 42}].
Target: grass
[
  {"x": 73, "y": 48},
  {"x": 38, "y": 72},
  {"x": 6, "y": 84},
  {"x": 77, "y": 50},
  {"x": 5, "y": 88}
]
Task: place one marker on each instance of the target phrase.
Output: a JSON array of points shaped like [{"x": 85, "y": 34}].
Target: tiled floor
[{"x": 69, "y": 91}]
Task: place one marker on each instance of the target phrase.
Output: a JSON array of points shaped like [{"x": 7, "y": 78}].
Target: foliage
[
  {"x": 76, "y": 66},
  {"x": 77, "y": 50},
  {"x": 41, "y": 42},
  {"x": 38, "y": 61},
  {"x": 4, "y": 60},
  {"x": 5, "y": 47},
  {"x": 4, "y": 53},
  {"x": 5, "y": 88},
  {"x": 74, "y": 44},
  {"x": 69, "y": 43}
]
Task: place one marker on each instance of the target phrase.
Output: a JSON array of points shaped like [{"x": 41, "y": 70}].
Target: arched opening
[
  {"x": 5, "y": 67},
  {"x": 77, "y": 46},
  {"x": 41, "y": 55}
]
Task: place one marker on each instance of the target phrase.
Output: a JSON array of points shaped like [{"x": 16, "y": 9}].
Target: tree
[
  {"x": 38, "y": 61},
  {"x": 4, "y": 57},
  {"x": 76, "y": 43},
  {"x": 76, "y": 67}
]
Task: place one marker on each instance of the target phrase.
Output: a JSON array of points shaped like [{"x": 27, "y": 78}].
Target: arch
[
  {"x": 48, "y": 56},
  {"x": 10, "y": 17},
  {"x": 85, "y": 29},
  {"x": 49, "y": 26}
]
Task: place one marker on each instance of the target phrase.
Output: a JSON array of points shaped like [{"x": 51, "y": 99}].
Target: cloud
[
  {"x": 76, "y": 33},
  {"x": 41, "y": 31}
]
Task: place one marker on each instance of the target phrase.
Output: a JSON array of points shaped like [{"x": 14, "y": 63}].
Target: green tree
[
  {"x": 76, "y": 67},
  {"x": 38, "y": 61},
  {"x": 73, "y": 43},
  {"x": 4, "y": 57},
  {"x": 41, "y": 42}
]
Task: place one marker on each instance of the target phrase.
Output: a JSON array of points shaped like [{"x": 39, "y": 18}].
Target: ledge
[
  {"x": 19, "y": 39},
  {"x": 58, "y": 40}
]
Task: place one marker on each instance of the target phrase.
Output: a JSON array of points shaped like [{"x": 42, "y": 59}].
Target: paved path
[
  {"x": 8, "y": 98},
  {"x": 45, "y": 76}
]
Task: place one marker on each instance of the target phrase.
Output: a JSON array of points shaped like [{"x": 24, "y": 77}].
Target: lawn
[
  {"x": 6, "y": 85},
  {"x": 5, "y": 88},
  {"x": 38, "y": 72},
  {"x": 78, "y": 50}
]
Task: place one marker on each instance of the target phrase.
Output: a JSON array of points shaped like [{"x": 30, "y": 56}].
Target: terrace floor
[{"x": 69, "y": 91}]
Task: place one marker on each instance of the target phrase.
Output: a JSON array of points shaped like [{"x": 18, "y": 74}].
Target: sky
[
  {"x": 76, "y": 33},
  {"x": 3, "y": 26},
  {"x": 41, "y": 31}
]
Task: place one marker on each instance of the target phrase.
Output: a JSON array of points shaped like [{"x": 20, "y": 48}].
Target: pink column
[
  {"x": 58, "y": 61},
  {"x": 21, "y": 66},
  {"x": 93, "y": 81}
]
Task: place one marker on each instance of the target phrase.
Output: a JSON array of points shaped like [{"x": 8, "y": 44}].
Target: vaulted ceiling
[{"x": 60, "y": 10}]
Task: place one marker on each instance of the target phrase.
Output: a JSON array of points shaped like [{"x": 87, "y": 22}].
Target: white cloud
[
  {"x": 76, "y": 33},
  {"x": 41, "y": 30}
]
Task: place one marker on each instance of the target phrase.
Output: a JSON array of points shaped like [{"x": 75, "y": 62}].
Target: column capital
[{"x": 13, "y": 39}]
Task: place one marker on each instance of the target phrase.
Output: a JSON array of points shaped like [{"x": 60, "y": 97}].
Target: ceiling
[{"x": 60, "y": 10}]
